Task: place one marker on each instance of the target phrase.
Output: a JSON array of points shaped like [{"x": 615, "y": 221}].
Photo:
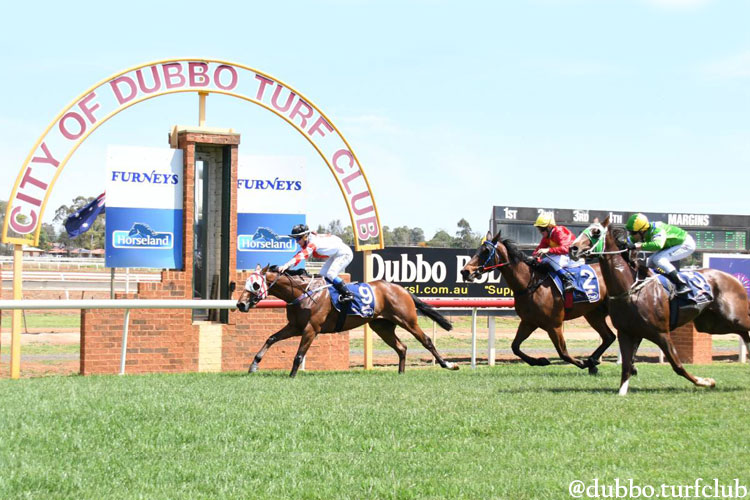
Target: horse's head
[
  {"x": 491, "y": 254},
  {"x": 590, "y": 241},
  {"x": 256, "y": 289}
]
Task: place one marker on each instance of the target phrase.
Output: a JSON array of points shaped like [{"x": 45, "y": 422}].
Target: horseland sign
[
  {"x": 144, "y": 207},
  {"x": 107, "y": 98},
  {"x": 270, "y": 201}
]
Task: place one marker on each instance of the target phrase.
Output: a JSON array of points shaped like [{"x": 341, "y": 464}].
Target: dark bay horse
[
  {"x": 642, "y": 312},
  {"x": 310, "y": 312},
  {"x": 538, "y": 302}
]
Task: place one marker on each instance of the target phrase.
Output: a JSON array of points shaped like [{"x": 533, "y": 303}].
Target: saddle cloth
[
  {"x": 699, "y": 297},
  {"x": 586, "y": 283},
  {"x": 363, "y": 303},
  {"x": 700, "y": 290}
]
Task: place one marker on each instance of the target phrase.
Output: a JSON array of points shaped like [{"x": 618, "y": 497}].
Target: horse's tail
[{"x": 432, "y": 313}]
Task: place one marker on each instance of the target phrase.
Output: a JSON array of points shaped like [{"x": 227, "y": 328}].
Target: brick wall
[
  {"x": 167, "y": 340},
  {"x": 692, "y": 346}
]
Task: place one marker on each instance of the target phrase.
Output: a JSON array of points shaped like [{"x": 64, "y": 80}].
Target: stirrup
[{"x": 343, "y": 299}]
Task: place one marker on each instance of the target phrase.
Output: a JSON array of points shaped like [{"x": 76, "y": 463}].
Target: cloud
[{"x": 735, "y": 66}]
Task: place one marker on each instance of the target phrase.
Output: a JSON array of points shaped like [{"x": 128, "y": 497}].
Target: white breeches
[
  {"x": 564, "y": 260},
  {"x": 662, "y": 260},
  {"x": 336, "y": 264}
]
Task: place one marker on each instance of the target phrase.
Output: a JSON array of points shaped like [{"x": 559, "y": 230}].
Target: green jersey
[{"x": 660, "y": 236}]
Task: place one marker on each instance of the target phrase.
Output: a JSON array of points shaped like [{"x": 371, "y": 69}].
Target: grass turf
[{"x": 510, "y": 431}]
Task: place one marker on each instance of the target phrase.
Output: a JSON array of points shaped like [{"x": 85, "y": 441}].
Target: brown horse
[
  {"x": 310, "y": 312},
  {"x": 642, "y": 311},
  {"x": 538, "y": 302}
]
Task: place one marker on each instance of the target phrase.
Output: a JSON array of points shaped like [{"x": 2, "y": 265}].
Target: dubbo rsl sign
[{"x": 430, "y": 272}]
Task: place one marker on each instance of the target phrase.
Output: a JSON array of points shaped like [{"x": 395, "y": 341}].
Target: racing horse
[
  {"x": 642, "y": 311},
  {"x": 310, "y": 312},
  {"x": 537, "y": 301}
]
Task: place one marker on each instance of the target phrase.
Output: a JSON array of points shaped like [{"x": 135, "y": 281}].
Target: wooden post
[
  {"x": 202, "y": 108},
  {"x": 368, "y": 334},
  {"x": 15, "y": 332}
]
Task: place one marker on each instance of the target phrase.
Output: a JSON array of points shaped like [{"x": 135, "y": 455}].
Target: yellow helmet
[
  {"x": 637, "y": 223},
  {"x": 545, "y": 219}
]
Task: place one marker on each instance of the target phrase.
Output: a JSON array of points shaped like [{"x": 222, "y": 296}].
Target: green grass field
[{"x": 510, "y": 431}]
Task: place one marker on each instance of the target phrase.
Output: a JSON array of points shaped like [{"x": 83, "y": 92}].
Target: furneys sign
[{"x": 431, "y": 272}]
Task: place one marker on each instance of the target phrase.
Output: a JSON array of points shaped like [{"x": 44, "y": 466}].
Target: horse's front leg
[
  {"x": 524, "y": 330},
  {"x": 285, "y": 333},
  {"x": 308, "y": 335}
]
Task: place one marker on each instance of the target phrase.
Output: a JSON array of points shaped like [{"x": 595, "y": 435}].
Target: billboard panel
[
  {"x": 270, "y": 201},
  {"x": 430, "y": 272},
  {"x": 144, "y": 207},
  {"x": 734, "y": 264}
]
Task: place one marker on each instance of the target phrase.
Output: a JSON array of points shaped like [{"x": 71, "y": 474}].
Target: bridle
[
  {"x": 492, "y": 256},
  {"x": 257, "y": 286},
  {"x": 597, "y": 242}
]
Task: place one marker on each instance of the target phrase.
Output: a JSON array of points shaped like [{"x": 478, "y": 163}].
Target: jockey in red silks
[
  {"x": 323, "y": 246},
  {"x": 554, "y": 247}
]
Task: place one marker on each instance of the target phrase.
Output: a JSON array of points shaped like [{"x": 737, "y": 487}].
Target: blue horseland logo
[
  {"x": 265, "y": 239},
  {"x": 143, "y": 237}
]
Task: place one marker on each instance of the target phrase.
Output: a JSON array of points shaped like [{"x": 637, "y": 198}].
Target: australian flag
[{"x": 81, "y": 221}]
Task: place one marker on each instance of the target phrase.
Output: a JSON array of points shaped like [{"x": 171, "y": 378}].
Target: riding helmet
[
  {"x": 545, "y": 219},
  {"x": 299, "y": 231},
  {"x": 637, "y": 223}
]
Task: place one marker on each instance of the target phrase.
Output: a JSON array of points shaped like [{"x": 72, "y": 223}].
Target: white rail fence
[{"x": 128, "y": 304}]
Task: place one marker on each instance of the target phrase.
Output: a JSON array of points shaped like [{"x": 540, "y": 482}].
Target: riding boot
[
  {"x": 344, "y": 294},
  {"x": 567, "y": 279},
  {"x": 682, "y": 288}
]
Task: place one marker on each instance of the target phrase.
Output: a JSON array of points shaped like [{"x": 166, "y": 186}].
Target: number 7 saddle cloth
[{"x": 586, "y": 283}]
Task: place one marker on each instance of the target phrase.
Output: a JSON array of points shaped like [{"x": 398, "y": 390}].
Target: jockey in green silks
[{"x": 670, "y": 244}]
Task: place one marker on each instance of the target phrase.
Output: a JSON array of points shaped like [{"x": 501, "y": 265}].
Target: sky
[{"x": 451, "y": 107}]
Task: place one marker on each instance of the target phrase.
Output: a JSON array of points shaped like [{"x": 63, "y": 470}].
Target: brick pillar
[{"x": 692, "y": 346}]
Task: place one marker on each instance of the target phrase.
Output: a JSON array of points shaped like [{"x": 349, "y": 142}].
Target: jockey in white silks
[{"x": 323, "y": 246}]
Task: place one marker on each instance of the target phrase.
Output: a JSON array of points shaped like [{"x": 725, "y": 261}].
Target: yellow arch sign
[{"x": 50, "y": 154}]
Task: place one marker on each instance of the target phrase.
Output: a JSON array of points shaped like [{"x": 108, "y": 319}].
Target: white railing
[
  {"x": 7, "y": 275},
  {"x": 126, "y": 304}
]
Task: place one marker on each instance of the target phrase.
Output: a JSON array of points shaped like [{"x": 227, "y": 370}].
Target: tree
[
  {"x": 401, "y": 236},
  {"x": 417, "y": 236},
  {"x": 465, "y": 237},
  {"x": 441, "y": 240}
]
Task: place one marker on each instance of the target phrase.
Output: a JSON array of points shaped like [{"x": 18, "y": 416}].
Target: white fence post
[
  {"x": 124, "y": 341},
  {"x": 491, "y": 340},
  {"x": 743, "y": 352},
  {"x": 474, "y": 338}
]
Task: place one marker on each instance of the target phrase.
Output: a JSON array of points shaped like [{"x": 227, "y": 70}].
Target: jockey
[
  {"x": 323, "y": 246},
  {"x": 670, "y": 243},
  {"x": 554, "y": 247}
]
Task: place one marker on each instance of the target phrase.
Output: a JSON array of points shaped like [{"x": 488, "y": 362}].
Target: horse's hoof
[
  {"x": 633, "y": 371},
  {"x": 706, "y": 382},
  {"x": 542, "y": 362},
  {"x": 253, "y": 369},
  {"x": 593, "y": 370}
]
